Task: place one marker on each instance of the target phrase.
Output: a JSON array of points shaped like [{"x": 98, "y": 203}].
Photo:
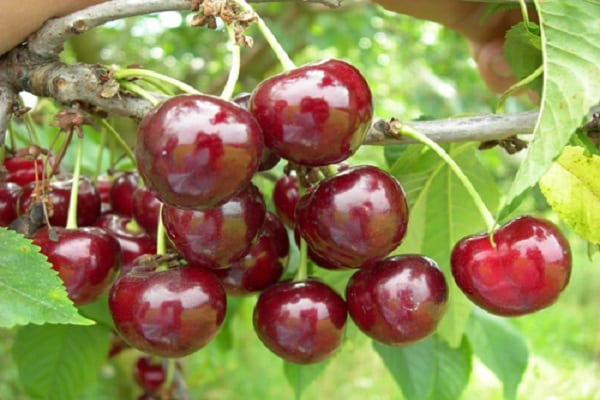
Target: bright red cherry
[
  {"x": 219, "y": 236},
  {"x": 133, "y": 241},
  {"x": 354, "y": 218},
  {"x": 88, "y": 200},
  {"x": 9, "y": 193},
  {"x": 150, "y": 374},
  {"x": 317, "y": 114},
  {"x": 146, "y": 209},
  {"x": 524, "y": 270},
  {"x": 302, "y": 322},
  {"x": 23, "y": 170},
  {"x": 121, "y": 192},
  {"x": 197, "y": 151},
  {"x": 86, "y": 259},
  {"x": 399, "y": 300},
  {"x": 285, "y": 199},
  {"x": 170, "y": 313},
  {"x": 262, "y": 266}
]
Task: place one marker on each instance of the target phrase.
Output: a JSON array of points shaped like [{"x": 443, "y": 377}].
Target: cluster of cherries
[{"x": 197, "y": 155}]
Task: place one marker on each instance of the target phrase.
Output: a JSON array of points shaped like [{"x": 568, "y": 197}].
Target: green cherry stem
[
  {"x": 234, "y": 69},
  {"x": 119, "y": 140},
  {"x": 72, "y": 212},
  {"x": 161, "y": 243},
  {"x": 487, "y": 216},
  {"x": 153, "y": 77},
  {"x": 279, "y": 51},
  {"x": 171, "y": 366},
  {"x": 136, "y": 89},
  {"x": 302, "y": 271}
]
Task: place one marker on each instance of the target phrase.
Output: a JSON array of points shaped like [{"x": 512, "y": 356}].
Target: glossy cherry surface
[
  {"x": 302, "y": 322},
  {"x": 9, "y": 194},
  {"x": 262, "y": 266},
  {"x": 317, "y": 114},
  {"x": 150, "y": 374},
  {"x": 133, "y": 241},
  {"x": 525, "y": 271},
  {"x": 197, "y": 151},
  {"x": 146, "y": 209},
  {"x": 285, "y": 198},
  {"x": 88, "y": 200},
  {"x": 354, "y": 218},
  {"x": 219, "y": 236},
  {"x": 86, "y": 259},
  {"x": 170, "y": 313},
  {"x": 23, "y": 170},
  {"x": 399, "y": 300},
  {"x": 121, "y": 192}
]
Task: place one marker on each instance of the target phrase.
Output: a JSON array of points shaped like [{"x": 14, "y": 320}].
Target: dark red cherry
[
  {"x": 121, "y": 192},
  {"x": 524, "y": 270},
  {"x": 302, "y": 322},
  {"x": 146, "y": 209},
  {"x": 285, "y": 199},
  {"x": 197, "y": 151},
  {"x": 399, "y": 300},
  {"x": 170, "y": 313},
  {"x": 262, "y": 266},
  {"x": 103, "y": 185},
  {"x": 149, "y": 373},
  {"x": 133, "y": 240},
  {"x": 9, "y": 193},
  {"x": 354, "y": 218},
  {"x": 317, "y": 114},
  {"x": 88, "y": 200},
  {"x": 23, "y": 170},
  {"x": 86, "y": 259},
  {"x": 219, "y": 236}
]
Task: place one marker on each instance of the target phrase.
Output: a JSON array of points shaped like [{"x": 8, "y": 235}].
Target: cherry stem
[
  {"x": 120, "y": 140},
  {"x": 234, "y": 69},
  {"x": 153, "y": 77},
  {"x": 302, "y": 272},
  {"x": 171, "y": 367},
  {"x": 161, "y": 244},
  {"x": 136, "y": 89},
  {"x": 279, "y": 51},
  {"x": 487, "y": 216},
  {"x": 72, "y": 212}
]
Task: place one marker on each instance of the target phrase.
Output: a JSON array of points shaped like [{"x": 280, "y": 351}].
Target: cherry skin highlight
[
  {"x": 302, "y": 322},
  {"x": 526, "y": 271},
  {"x": 316, "y": 114},
  {"x": 197, "y": 151},
  {"x": 169, "y": 313},
  {"x": 399, "y": 300}
]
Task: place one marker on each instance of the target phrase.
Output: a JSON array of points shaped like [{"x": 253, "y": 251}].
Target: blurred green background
[{"x": 415, "y": 69}]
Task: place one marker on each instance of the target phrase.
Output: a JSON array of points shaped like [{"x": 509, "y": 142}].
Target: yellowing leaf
[{"x": 572, "y": 188}]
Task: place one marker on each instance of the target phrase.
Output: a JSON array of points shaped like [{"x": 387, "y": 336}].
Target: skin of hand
[
  {"x": 19, "y": 18},
  {"x": 485, "y": 39}
]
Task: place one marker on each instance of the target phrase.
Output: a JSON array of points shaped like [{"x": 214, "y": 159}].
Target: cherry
[
  {"x": 88, "y": 200},
  {"x": 262, "y": 266},
  {"x": 146, "y": 209},
  {"x": 133, "y": 242},
  {"x": 103, "y": 185},
  {"x": 9, "y": 193},
  {"x": 302, "y": 322},
  {"x": 121, "y": 192},
  {"x": 86, "y": 259},
  {"x": 170, "y": 313},
  {"x": 219, "y": 236},
  {"x": 354, "y": 218},
  {"x": 317, "y": 114},
  {"x": 197, "y": 151},
  {"x": 150, "y": 374},
  {"x": 23, "y": 170},
  {"x": 399, "y": 300},
  {"x": 285, "y": 198},
  {"x": 524, "y": 270}
]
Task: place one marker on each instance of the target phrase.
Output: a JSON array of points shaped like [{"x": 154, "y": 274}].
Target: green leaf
[
  {"x": 501, "y": 347},
  {"x": 60, "y": 361},
  {"x": 441, "y": 213},
  {"x": 300, "y": 376},
  {"x": 572, "y": 188},
  {"x": 570, "y": 32},
  {"x": 430, "y": 369},
  {"x": 30, "y": 290},
  {"x": 522, "y": 52}
]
